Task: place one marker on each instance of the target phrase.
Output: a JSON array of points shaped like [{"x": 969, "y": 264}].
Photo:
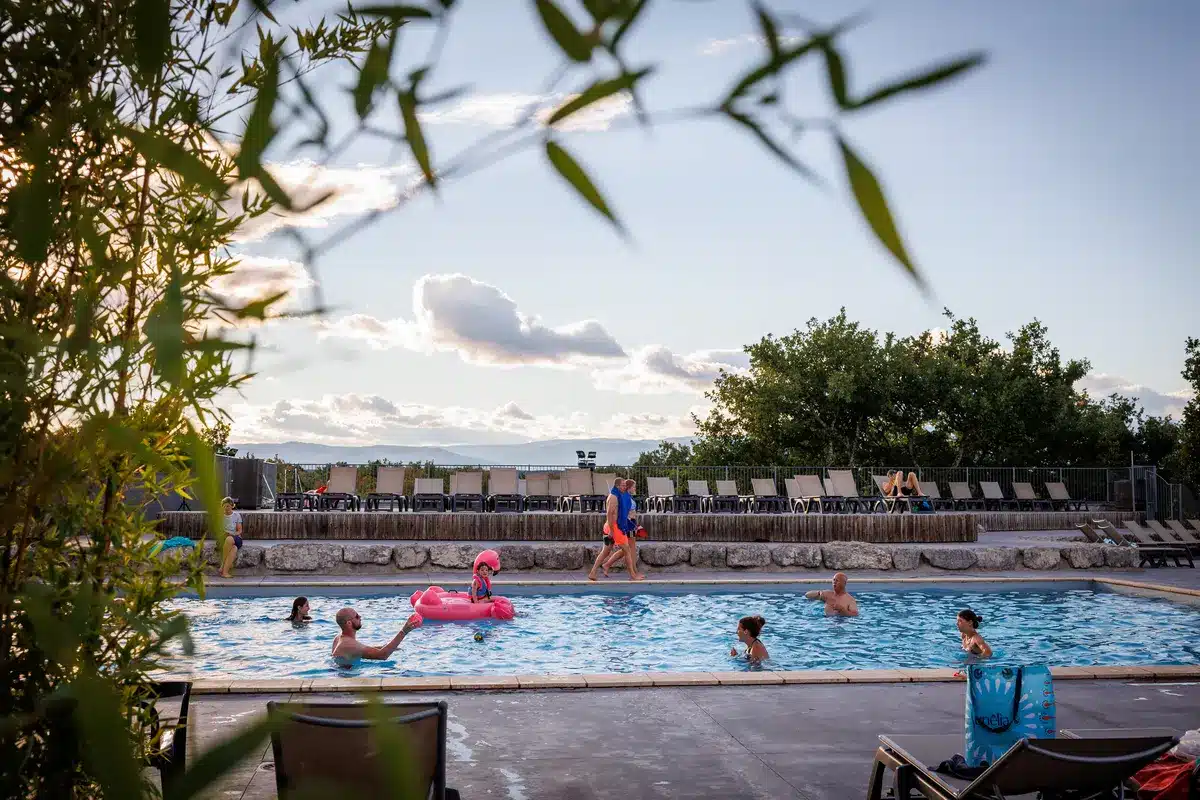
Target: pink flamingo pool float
[{"x": 437, "y": 603}]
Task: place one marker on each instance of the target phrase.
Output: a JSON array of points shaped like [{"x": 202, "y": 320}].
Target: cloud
[
  {"x": 354, "y": 419},
  {"x": 258, "y": 277},
  {"x": 1156, "y": 403},
  {"x": 352, "y": 191},
  {"x": 719, "y": 47},
  {"x": 655, "y": 369},
  {"x": 505, "y": 110},
  {"x": 456, "y": 313}
]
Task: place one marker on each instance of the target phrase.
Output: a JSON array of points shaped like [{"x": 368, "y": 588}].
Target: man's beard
[{"x": 358, "y": 624}]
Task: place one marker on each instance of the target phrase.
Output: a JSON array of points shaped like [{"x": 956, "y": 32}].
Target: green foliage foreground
[
  {"x": 134, "y": 143},
  {"x": 839, "y": 394}
]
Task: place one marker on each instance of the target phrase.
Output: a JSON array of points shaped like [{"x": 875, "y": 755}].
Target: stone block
[
  {"x": 708, "y": 555},
  {"x": 997, "y": 559},
  {"x": 742, "y": 556},
  {"x": 663, "y": 554},
  {"x": 516, "y": 556},
  {"x": 409, "y": 556},
  {"x": 561, "y": 557},
  {"x": 1041, "y": 557},
  {"x": 249, "y": 557},
  {"x": 950, "y": 557},
  {"x": 905, "y": 559},
  {"x": 1084, "y": 556},
  {"x": 1121, "y": 557},
  {"x": 367, "y": 553},
  {"x": 797, "y": 555},
  {"x": 453, "y": 556},
  {"x": 303, "y": 557},
  {"x": 855, "y": 555}
]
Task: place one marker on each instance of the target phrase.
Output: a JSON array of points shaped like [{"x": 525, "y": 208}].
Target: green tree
[
  {"x": 1189, "y": 429},
  {"x": 667, "y": 454},
  {"x": 217, "y": 438}
]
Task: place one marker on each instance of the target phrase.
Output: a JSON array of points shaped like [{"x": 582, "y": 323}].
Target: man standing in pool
[
  {"x": 347, "y": 649},
  {"x": 838, "y": 602}
]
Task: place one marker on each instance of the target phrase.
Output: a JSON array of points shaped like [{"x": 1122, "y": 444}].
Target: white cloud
[
  {"x": 353, "y": 419},
  {"x": 718, "y": 47},
  {"x": 258, "y": 277},
  {"x": 353, "y": 191},
  {"x": 456, "y": 313},
  {"x": 1156, "y": 403},
  {"x": 505, "y": 110},
  {"x": 655, "y": 369}
]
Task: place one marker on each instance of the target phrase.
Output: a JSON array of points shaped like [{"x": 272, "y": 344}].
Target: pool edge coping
[{"x": 644, "y": 680}]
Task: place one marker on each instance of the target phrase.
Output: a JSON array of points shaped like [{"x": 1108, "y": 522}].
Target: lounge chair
[
  {"x": 1063, "y": 767},
  {"x": 429, "y": 494},
  {"x": 765, "y": 498},
  {"x": 168, "y": 735},
  {"x": 332, "y": 748},
  {"x": 892, "y": 504},
  {"x": 1183, "y": 534},
  {"x": 1028, "y": 498},
  {"x": 1060, "y": 498},
  {"x": 342, "y": 490},
  {"x": 1170, "y": 537},
  {"x": 660, "y": 494},
  {"x": 934, "y": 494},
  {"x": 845, "y": 486},
  {"x": 689, "y": 502},
  {"x": 964, "y": 499},
  {"x": 466, "y": 491},
  {"x": 1143, "y": 540},
  {"x": 994, "y": 499},
  {"x": 812, "y": 494},
  {"x": 700, "y": 491},
  {"x": 556, "y": 490},
  {"x": 726, "y": 498},
  {"x": 797, "y": 502},
  {"x": 1195, "y": 523},
  {"x": 503, "y": 491},
  {"x": 389, "y": 489},
  {"x": 537, "y": 492},
  {"x": 1096, "y": 537},
  {"x": 578, "y": 487}
]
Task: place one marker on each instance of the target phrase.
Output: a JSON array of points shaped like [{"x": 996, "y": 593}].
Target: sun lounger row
[{"x": 1156, "y": 544}]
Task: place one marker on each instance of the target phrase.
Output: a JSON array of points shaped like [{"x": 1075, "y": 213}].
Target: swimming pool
[{"x": 590, "y": 632}]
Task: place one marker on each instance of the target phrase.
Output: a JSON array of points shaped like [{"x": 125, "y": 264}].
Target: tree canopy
[{"x": 836, "y": 392}]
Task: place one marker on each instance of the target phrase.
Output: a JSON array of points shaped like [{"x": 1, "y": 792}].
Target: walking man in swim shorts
[
  {"x": 616, "y": 531},
  {"x": 838, "y": 602}
]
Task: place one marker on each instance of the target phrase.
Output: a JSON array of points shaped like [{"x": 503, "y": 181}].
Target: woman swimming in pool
[
  {"x": 299, "y": 611},
  {"x": 972, "y": 642},
  {"x": 747, "y": 632}
]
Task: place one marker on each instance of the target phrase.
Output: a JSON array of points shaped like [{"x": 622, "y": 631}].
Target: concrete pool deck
[{"x": 812, "y": 742}]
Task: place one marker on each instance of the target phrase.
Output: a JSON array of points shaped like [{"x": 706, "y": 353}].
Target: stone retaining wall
[{"x": 376, "y": 559}]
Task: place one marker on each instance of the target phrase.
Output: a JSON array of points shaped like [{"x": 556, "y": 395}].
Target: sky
[{"x": 1058, "y": 182}]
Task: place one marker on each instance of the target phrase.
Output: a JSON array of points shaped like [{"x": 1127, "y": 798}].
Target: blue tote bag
[{"x": 1004, "y": 705}]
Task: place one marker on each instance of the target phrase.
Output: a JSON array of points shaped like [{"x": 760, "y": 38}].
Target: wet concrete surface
[{"x": 812, "y": 742}]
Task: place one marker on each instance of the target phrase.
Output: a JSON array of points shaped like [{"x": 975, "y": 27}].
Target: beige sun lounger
[
  {"x": 964, "y": 499},
  {"x": 1027, "y": 498},
  {"x": 429, "y": 494},
  {"x": 332, "y": 748},
  {"x": 765, "y": 497},
  {"x": 993, "y": 497},
  {"x": 846, "y": 487},
  {"x": 577, "y": 485},
  {"x": 812, "y": 492},
  {"x": 389, "y": 489},
  {"x": 466, "y": 491},
  {"x": 726, "y": 498},
  {"x": 503, "y": 494},
  {"x": 1060, "y": 498},
  {"x": 341, "y": 490},
  {"x": 1191, "y": 538},
  {"x": 1170, "y": 537},
  {"x": 660, "y": 495},
  {"x": 537, "y": 492},
  {"x": 1143, "y": 538}
]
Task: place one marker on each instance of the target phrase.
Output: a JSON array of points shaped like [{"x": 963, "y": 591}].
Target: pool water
[{"x": 586, "y": 633}]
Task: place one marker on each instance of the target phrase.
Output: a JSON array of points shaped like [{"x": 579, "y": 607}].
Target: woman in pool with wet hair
[
  {"x": 299, "y": 611},
  {"x": 747, "y": 632},
  {"x": 972, "y": 642}
]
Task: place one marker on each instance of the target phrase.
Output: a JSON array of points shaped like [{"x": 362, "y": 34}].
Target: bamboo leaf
[
  {"x": 596, "y": 92},
  {"x": 573, "y": 43},
  {"x": 164, "y": 329},
  {"x": 259, "y": 131},
  {"x": 575, "y": 175},
  {"x": 395, "y": 751},
  {"x": 174, "y": 156},
  {"x": 933, "y": 77},
  {"x": 770, "y": 31},
  {"x": 415, "y": 136},
  {"x": 221, "y": 758},
  {"x": 274, "y": 191},
  {"x": 32, "y": 223},
  {"x": 399, "y": 13},
  {"x": 374, "y": 74},
  {"x": 874, "y": 207},
  {"x": 152, "y": 34},
  {"x": 207, "y": 490},
  {"x": 627, "y": 22},
  {"x": 261, "y": 7},
  {"x": 835, "y": 68},
  {"x": 105, "y": 741},
  {"x": 774, "y": 147},
  {"x": 772, "y": 67}
]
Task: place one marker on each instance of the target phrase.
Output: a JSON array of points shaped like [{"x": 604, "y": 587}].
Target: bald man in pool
[
  {"x": 838, "y": 602},
  {"x": 347, "y": 649}
]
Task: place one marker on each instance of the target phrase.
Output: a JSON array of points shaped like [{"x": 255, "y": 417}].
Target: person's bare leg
[
  {"x": 228, "y": 554},
  {"x": 616, "y": 558},
  {"x": 631, "y": 561},
  {"x": 604, "y": 551}
]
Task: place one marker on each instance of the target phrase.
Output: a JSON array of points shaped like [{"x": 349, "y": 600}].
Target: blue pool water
[{"x": 247, "y": 637}]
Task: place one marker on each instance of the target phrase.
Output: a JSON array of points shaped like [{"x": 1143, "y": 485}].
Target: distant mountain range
[{"x": 553, "y": 452}]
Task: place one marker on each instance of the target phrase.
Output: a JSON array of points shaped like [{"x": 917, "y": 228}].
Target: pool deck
[{"x": 814, "y": 742}]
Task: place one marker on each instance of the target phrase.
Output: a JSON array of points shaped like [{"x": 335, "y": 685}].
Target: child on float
[{"x": 487, "y": 564}]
